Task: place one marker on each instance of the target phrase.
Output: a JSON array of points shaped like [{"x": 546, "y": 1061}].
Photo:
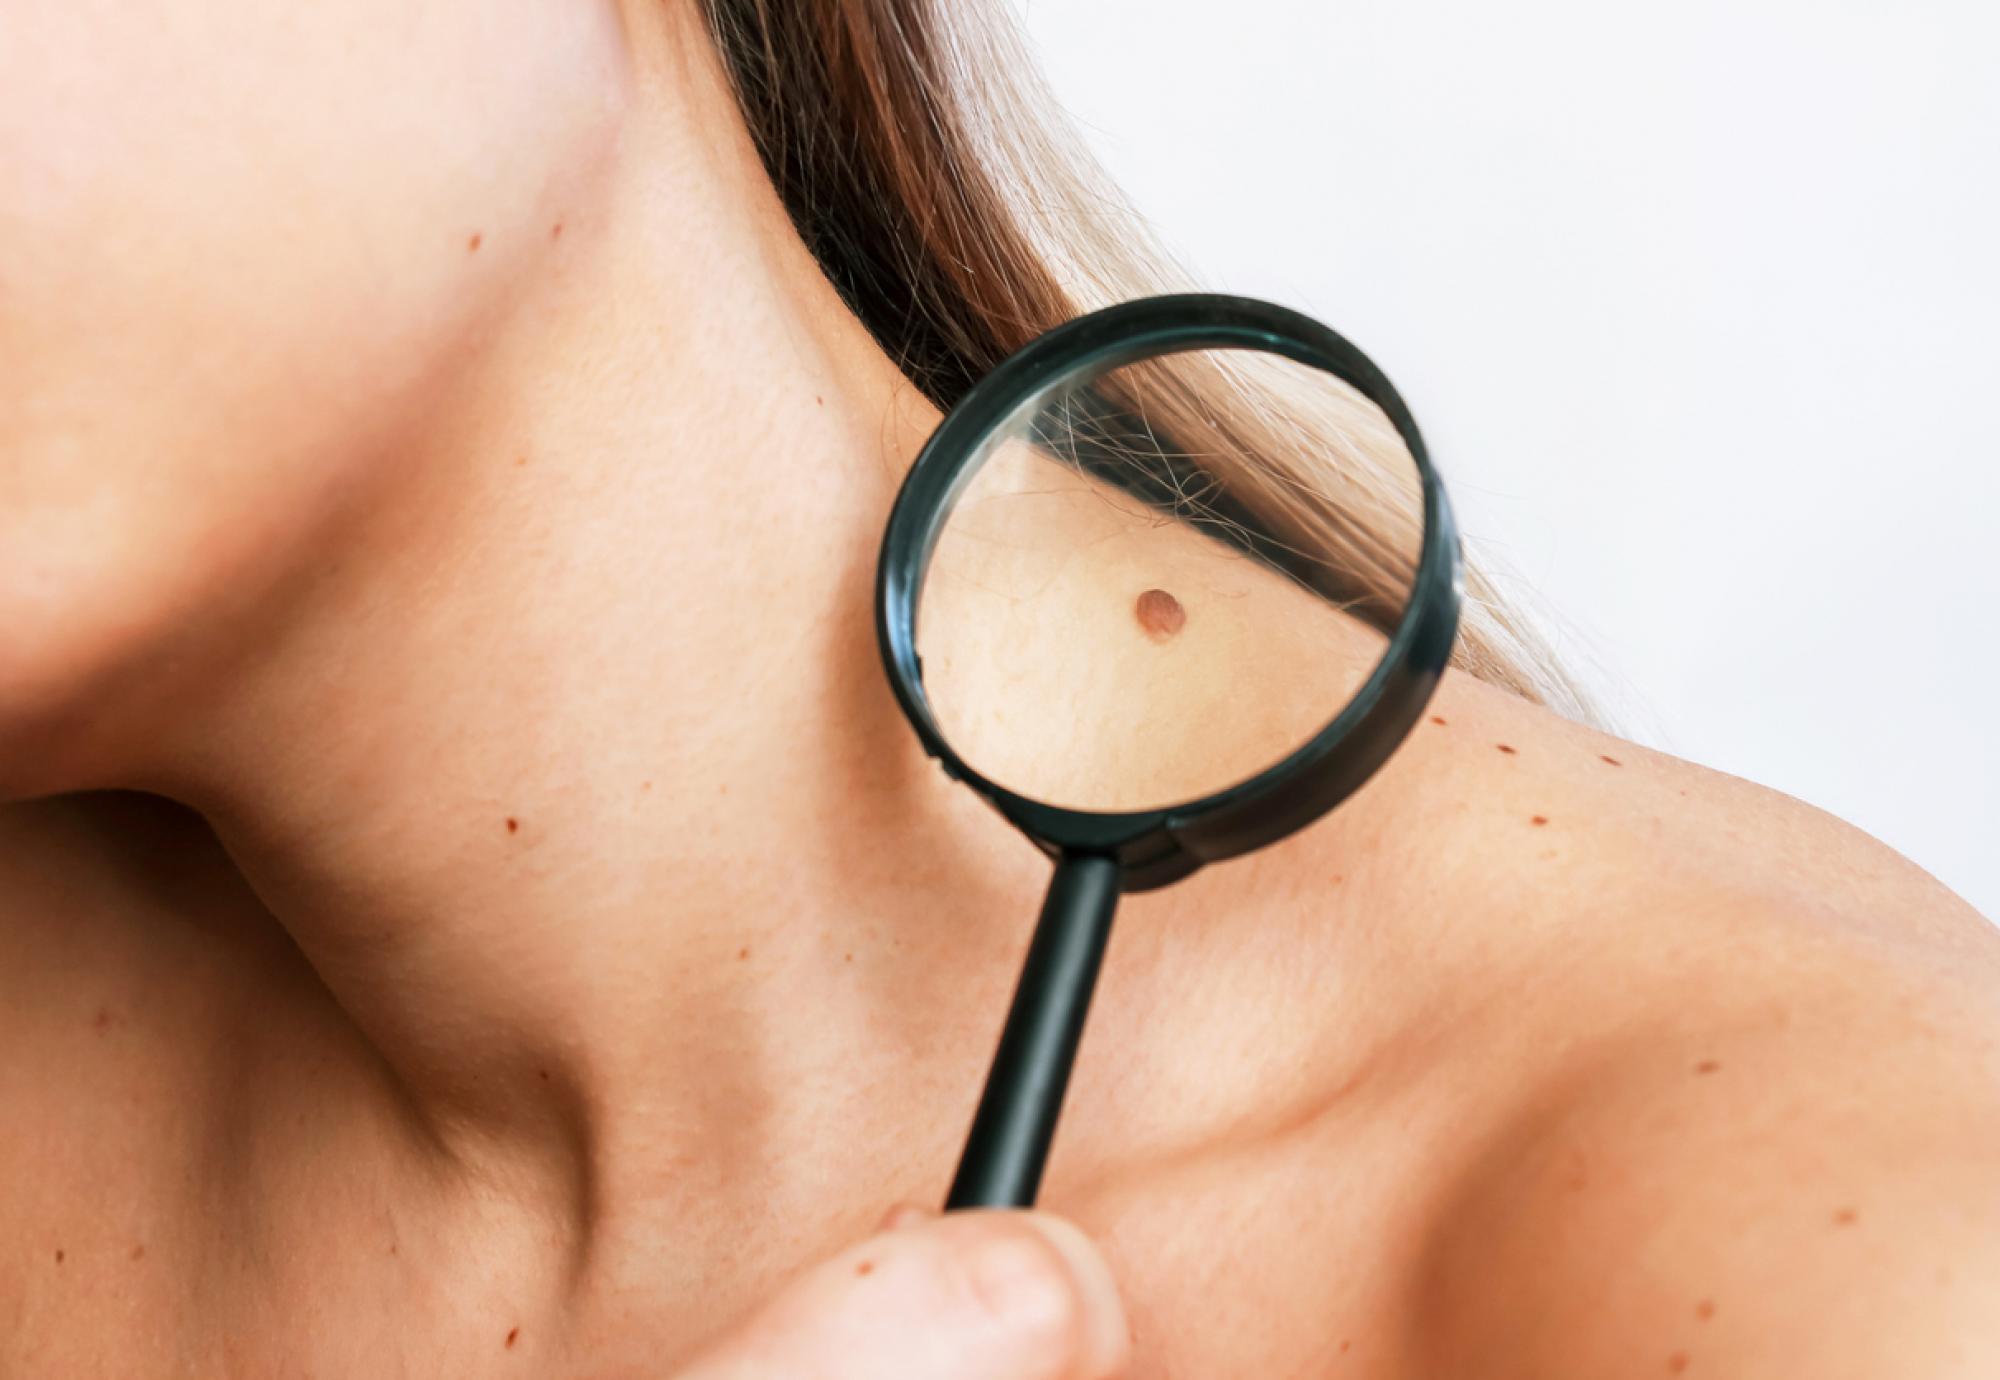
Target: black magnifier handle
[{"x": 1016, "y": 1121}]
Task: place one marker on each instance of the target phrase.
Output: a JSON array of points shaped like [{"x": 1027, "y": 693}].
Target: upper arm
[{"x": 1811, "y": 1204}]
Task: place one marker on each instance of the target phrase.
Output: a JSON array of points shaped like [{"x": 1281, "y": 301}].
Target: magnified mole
[{"x": 1159, "y": 614}]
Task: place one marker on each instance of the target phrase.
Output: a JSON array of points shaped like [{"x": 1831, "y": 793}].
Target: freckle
[
  {"x": 138, "y": 1252},
  {"x": 392, "y": 1248},
  {"x": 1539, "y": 819},
  {"x": 555, "y": 231},
  {"x": 520, "y": 460},
  {"x": 102, "y": 1021},
  {"x": 743, "y": 953},
  {"x": 820, "y": 400},
  {"x": 1504, "y": 748},
  {"x": 543, "y": 1074},
  {"x": 513, "y": 1336},
  {"x": 1612, "y": 760},
  {"x": 645, "y": 785},
  {"x": 850, "y": 958},
  {"x": 472, "y": 245},
  {"x": 1345, "y": 1343},
  {"x": 1438, "y": 720},
  {"x": 1337, "y": 879},
  {"x": 1159, "y": 614},
  {"x": 1707, "y": 1066},
  {"x": 59, "y": 1257},
  {"x": 513, "y": 825},
  {"x": 1677, "y": 1362},
  {"x": 1705, "y": 1309},
  {"x": 865, "y": 1267},
  {"x": 1846, "y": 1217}
]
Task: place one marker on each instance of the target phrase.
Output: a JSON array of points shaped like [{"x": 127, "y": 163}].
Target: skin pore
[{"x": 539, "y": 933}]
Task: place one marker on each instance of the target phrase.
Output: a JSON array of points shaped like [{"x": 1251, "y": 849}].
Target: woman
[{"x": 471, "y": 905}]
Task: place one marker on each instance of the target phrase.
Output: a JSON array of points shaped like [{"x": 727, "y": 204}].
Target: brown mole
[
  {"x": 472, "y": 245},
  {"x": 1159, "y": 614}
]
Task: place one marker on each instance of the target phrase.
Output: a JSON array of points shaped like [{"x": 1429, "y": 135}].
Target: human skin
[
  {"x": 986, "y": 1295},
  {"x": 469, "y": 899}
]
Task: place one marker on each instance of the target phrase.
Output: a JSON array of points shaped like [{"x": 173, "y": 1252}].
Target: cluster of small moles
[{"x": 1508, "y": 749}]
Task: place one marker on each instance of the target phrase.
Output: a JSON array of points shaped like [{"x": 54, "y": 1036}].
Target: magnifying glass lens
[{"x": 1154, "y": 582}]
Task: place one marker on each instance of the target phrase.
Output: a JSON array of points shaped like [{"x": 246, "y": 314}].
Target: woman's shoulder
[
  {"x": 1547, "y": 1048},
  {"x": 1641, "y": 811},
  {"x": 1809, "y": 1187},
  {"x": 1580, "y": 845},
  {"x": 1752, "y": 1061}
]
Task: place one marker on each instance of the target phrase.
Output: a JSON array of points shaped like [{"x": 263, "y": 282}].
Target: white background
[{"x": 1697, "y": 306}]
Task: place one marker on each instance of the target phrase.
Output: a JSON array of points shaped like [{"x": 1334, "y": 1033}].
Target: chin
[
  {"x": 67, "y": 649},
  {"x": 96, "y": 633}
]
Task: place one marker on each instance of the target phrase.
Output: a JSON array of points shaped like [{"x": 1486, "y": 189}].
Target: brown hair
[{"x": 933, "y": 176}]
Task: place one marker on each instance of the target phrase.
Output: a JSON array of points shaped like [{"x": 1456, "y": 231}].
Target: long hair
[{"x": 945, "y": 195}]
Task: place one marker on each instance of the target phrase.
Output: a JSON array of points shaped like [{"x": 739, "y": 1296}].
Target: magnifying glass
[{"x": 1144, "y": 653}]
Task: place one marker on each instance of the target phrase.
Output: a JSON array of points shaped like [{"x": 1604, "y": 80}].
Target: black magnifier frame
[{"x": 1098, "y": 855}]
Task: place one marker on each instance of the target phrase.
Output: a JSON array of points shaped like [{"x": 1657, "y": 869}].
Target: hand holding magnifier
[{"x": 1104, "y": 455}]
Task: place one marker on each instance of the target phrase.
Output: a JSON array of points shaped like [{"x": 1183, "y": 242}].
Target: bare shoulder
[
  {"x": 1752, "y": 1060},
  {"x": 1819, "y": 1196}
]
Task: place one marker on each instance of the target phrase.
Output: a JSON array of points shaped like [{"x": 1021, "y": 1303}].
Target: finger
[
  {"x": 904, "y": 1215},
  {"x": 982, "y": 1295}
]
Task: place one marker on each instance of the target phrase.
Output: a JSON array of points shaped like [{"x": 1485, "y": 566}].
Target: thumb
[{"x": 979, "y": 1295}]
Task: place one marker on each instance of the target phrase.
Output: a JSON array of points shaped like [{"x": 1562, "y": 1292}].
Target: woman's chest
[
  {"x": 1293, "y": 1253},
  {"x": 208, "y": 1173},
  {"x": 1298, "y": 1255}
]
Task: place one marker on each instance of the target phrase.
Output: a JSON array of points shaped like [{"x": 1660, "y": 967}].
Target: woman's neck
[{"x": 574, "y": 708}]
